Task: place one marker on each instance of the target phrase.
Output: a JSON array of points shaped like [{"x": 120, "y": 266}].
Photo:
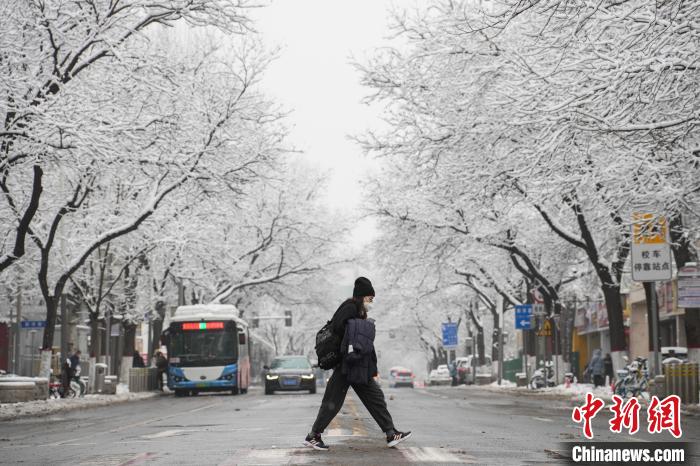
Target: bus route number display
[{"x": 202, "y": 326}]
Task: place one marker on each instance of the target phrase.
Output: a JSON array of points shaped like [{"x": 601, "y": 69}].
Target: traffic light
[
  {"x": 287, "y": 318},
  {"x": 255, "y": 322}
]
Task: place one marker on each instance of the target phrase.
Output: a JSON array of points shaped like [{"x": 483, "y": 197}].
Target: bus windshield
[{"x": 204, "y": 347}]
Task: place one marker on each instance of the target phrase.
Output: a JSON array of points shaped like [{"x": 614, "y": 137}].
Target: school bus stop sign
[
  {"x": 546, "y": 330},
  {"x": 651, "y": 251}
]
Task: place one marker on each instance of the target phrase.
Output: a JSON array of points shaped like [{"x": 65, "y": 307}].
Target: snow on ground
[
  {"x": 574, "y": 392},
  {"x": 10, "y": 411},
  {"x": 504, "y": 384}
]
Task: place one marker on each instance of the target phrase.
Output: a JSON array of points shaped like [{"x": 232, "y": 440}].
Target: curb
[{"x": 65, "y": 405}]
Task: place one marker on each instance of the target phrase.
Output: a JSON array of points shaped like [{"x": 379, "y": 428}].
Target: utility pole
[
  {"x": 500, "y": 342},
  {"x": 18, "y": 332},
  {"x": 654, "y": 308},
  {"x": 64, "y": 327},
  {"x": 108, "y": 340}
]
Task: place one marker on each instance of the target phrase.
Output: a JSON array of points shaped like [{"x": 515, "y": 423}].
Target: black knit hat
[{"x": 363, "y": 287}]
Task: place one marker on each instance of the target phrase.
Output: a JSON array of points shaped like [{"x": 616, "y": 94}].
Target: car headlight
[
  {"x": 307, "y": 377},
  {"x": 272, "y": 377}
]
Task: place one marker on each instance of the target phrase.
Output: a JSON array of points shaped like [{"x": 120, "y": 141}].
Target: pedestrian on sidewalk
[
  {"x": 596, "y": 368},
  {"x": 162, "y": 365},
  {"x": 137, "y": 360},
  {"x": 366, "y": 387}
]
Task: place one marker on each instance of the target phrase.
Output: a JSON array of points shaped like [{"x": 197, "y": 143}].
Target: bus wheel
[
  {"x": 179, "y": 393},
  {"x": 234, "y": 391},
  {"x": 194, "y": 393}
]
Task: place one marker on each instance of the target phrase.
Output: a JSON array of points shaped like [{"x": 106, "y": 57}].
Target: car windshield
[
  {"x": 290, "y": 363},
  {"x": 404, "y": 374}
]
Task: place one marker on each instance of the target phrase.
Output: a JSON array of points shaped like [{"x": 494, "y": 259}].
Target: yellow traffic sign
[{"x": 546, "y": 330}]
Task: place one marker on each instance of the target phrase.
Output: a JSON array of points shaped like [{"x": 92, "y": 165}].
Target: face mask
[{"x": 368, "y": 306}]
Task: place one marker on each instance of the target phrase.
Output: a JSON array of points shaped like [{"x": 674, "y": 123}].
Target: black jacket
[
  {"x": 137, "y": 360},
  {"x": 347, "y": 310},
  {"x": 360, "y": 364}
]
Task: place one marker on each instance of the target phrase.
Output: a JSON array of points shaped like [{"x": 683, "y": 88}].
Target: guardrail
[{"x": 143, "y": 379}]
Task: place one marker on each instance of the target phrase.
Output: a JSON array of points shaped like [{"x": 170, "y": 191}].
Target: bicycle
[
  {"x": 76, "y": 387},
  {"x": 543, "y": 377},
  {"x": 633, "y": 380}
]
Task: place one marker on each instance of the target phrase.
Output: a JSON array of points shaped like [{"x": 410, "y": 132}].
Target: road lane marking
[
  {"x": 274, "y": 456},
  {"x": 129, "y": 426},
  {"x": 433, "y": 455},
  {"x": 168, "y": 433},
  {"x": 543, "y": 419},
  {"x": 138, "y": 459},
  {"x": 358, "y": 426}
]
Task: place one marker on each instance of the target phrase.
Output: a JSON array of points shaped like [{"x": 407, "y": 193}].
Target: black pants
[
  {"x": 598, "y": 380},
  {"x": 161, "y": 373},
  {"x": 370, "y": 395}
]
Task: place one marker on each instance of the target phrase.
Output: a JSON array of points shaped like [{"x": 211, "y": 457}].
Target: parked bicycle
[
  {"x": 76, "y": 387},
  {"x": 633, "y": 380}
]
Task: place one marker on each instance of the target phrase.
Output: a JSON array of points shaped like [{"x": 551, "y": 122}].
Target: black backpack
[{"x": 328, "y": 347}]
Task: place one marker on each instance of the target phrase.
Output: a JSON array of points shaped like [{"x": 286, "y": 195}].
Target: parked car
[
  {"x": 440, "y": 376},
  {"x": 465, "y": 368},
  {"x": 401, "y": 377},
  {"x": 289, "y": 373}
]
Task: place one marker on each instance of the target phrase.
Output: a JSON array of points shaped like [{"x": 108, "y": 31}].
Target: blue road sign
[
  {"x": 523, "y": 314},
  {"x": 449, "y": 335},
  {"x": 33, "y": 323}
]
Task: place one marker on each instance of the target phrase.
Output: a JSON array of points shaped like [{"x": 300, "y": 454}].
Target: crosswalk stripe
[{"x": 432, "y": 455}]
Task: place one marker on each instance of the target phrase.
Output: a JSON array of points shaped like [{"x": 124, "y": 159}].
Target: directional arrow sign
[
  {"x": 523, "y": 312},
  {"x": 449, "y": 335}
]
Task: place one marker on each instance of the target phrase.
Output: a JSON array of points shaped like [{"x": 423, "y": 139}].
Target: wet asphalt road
[{"x": 450, "y": 425}]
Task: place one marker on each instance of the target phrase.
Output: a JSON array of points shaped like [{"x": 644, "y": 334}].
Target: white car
[
  {"x": 440, "y": 376},
  {"x": 465, "y": 368}
]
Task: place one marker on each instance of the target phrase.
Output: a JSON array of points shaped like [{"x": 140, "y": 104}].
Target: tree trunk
[
  {"x": 648, "y": 295},
  {"x": 51, "y": 309},
  {"x": 683, "y": 252},
  {"x": 480, "y": 345},
  {"x": 129, "y": 339},
  {"x": 95, "y": 337},
  {"x": 157, "y": 330}
]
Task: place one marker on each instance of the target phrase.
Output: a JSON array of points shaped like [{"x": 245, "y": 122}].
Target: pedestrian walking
[
  {"x": 137, "y": 360},
  {"x": 162, "y": 366},
  {"x": 69, "y": 370},
  {"x": 596, "y": 368},
  {"x": 356, "y": 369}
]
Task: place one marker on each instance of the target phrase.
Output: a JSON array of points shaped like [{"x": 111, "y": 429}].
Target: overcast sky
[{"x": 314, "y": 77}]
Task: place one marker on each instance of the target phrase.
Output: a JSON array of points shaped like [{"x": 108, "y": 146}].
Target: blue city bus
[{"x": 209, "y": 349}]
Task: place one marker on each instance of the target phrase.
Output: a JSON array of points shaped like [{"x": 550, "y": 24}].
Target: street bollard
[
  {"x": 693, "y": 385},
  {"x": 682, "y": 380},
  {"x": 660, "y": 389},
  {"x": 670, "y": 371}
]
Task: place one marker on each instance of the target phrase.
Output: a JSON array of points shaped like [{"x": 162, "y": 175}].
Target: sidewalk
[
  {"x": 11, "y": 411},
  {"x": 575, "y": 394}
]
